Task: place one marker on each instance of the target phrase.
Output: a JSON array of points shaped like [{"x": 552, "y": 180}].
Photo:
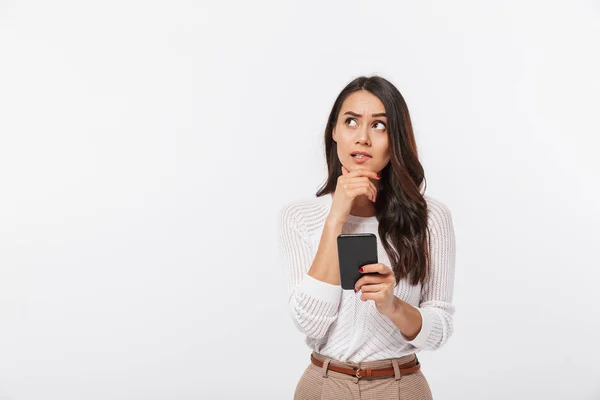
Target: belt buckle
[{"x": 358, "y": 375}]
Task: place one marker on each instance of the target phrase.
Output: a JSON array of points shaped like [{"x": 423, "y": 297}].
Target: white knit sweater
[{"x": 336, "y": 322}]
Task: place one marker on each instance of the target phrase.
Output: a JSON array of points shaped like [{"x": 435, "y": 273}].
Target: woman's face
[{"x": 362, "y": 126}]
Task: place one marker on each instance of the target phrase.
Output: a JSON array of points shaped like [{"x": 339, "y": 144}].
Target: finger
[
  {"x": 369, "y": 280},
  {"x": 358, "y": 179},
  {"x": 360, "y": 171},
  {"x": 354, "y": 179},
  {"x": 378, "y": 267},
  {"x": 375, "y": 296},
  {"x": 357, "y": 188},
  {"x": 361, "y": 180},
  {"x": 372, "y": 194},
  {"x": 376, "y": 287},
  {"x": 361, "y": 190},
  {"x": 374, "y": 188}
]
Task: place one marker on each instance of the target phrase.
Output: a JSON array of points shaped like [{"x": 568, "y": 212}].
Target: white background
[{"x": 147, "y": 148}]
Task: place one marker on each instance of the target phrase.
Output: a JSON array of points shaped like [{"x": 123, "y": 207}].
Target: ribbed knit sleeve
[
  {"x": 313, "y": 304},
  {"x": 436, "y": 294}
]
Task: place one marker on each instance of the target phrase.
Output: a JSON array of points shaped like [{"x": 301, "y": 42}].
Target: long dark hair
[{"x": 401, "y": 208}]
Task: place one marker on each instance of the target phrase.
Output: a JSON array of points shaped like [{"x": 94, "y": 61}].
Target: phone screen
[{"x": 354, "y": 251}]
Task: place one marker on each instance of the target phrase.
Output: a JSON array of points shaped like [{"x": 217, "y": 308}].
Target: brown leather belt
[{"x": 405, "y": 369}]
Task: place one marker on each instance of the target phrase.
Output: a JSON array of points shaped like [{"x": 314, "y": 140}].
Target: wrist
[
  {"x": 334, "y": 222},
  {"x": 398, "y": 309}
]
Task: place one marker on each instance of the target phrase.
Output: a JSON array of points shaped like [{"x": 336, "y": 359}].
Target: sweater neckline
[{"x": 353, "y": 218}]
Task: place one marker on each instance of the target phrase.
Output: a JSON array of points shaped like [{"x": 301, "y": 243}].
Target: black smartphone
[{"x": 354, "y": 251}]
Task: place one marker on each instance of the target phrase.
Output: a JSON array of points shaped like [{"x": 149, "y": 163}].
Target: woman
[{"x": 364, "y": 343}]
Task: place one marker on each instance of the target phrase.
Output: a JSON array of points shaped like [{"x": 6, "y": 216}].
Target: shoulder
[
  {"x": 438, "y": 213},
  {"x": 305, "y": 214}
]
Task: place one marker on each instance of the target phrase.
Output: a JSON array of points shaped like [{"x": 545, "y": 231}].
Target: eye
[
  {"x": 348, "y": 119},
  {"x": 379, "y": 122}
]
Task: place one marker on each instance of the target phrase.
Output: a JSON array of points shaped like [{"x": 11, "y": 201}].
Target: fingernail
[
  {"x": 360, "y": 269},
  {"x": 378, "y": 176}
]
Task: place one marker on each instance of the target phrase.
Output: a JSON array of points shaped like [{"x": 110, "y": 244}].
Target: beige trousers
[{"x": 319, "y": 383}]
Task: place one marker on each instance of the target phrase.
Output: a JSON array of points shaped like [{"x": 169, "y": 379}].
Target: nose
[{"x": 363, "y": 135}]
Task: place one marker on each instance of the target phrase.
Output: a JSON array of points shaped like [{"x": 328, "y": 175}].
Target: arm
[
  {"x": 430, "y": 325},
  {"x": 313, "y": 284}
]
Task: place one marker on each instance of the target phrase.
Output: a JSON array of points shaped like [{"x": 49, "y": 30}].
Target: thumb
[{"x": 344, "y": 170}]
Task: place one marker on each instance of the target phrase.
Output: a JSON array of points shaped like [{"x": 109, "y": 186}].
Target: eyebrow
[{"x": 358, "y": 115}]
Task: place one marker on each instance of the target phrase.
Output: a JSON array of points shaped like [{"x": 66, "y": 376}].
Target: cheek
[
  {"x": 384, "y": 153},
  {"x": 342, "y": 141},
  {"x": 386, "y": 159}
]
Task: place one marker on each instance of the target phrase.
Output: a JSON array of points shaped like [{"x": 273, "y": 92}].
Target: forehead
[{"x": 362, "y": 102}]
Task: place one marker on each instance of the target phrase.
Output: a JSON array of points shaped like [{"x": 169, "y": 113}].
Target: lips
[{"x": 364, "y": 153}]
